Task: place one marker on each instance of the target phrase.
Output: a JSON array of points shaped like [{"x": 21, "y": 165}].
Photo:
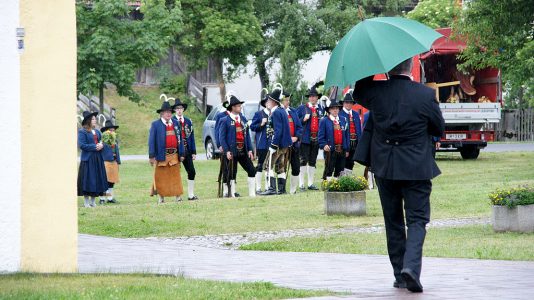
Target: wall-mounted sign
[{"x": 20, "y": 39}]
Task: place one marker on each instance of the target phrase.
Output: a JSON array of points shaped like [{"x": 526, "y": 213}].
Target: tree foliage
[
  {"x": 500, "y": 34},
  {"x": 435, "y": 13},
  {"x": 112, "y": 45},
  {"x": 226, "y": 31}
]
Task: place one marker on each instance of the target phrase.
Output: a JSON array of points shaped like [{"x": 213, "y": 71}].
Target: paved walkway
[
  {"x": 234, "y": 241},
  {"x": 363, "y": 276}
]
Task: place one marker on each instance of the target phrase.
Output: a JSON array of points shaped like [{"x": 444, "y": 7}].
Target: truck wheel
[{"x": 469, "y": 152}]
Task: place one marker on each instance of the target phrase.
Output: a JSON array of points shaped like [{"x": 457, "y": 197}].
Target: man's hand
[
  {"x": 152, "y": 161},
  {"x": 326, "y": 148},
  {"x": 306, "y": 117},
  {"x": 438, "y": 145},
  {"x": 229, "y": 155},
  {"x": 346, "y": 154},
  {"x": 263, "y": 121},
  {"x": 250, "y": 155},
  {"x": 99, "y": 146},
  {"x": 294, "y": 139},
  {"x": 182, "y": 158},
  {"x": 220, "y": 149},
  {"x": 194, "y": 156}
]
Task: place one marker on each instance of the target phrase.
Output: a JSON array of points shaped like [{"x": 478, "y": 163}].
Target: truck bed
[{"x": 468, "y": 113}]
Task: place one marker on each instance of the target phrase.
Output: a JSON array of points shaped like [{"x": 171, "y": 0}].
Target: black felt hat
[
  {"x": 177, "y": 103},
  {"x": 87, "y": 114},
  {"x": 108, "y": 126},
  {"x": 334, "y": 103},
  {"x": 276, "y": 95},
  {"x": 233, "y": 101},
  {"x": 313, "y": 92},
  {"x": 165, "y": 106},
  {"x": 348, "y": 97},
  {"x": 264, "y": 100}
]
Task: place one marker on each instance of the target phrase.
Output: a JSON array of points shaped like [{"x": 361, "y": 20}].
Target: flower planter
[
  {"x": 518, "y": 219},
  {"x": 345, "y": 203}
]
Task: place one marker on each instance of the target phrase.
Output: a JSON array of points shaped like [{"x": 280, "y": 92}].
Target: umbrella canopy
[{"x": 375, "y": 46}]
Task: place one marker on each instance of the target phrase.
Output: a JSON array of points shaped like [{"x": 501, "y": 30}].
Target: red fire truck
[{"x": 468, "y": 100}]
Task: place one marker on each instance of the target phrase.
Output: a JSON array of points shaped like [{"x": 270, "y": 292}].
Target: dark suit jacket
[
  {"x": 189, "y": 134},
  {"x": 228, "y": 134},
  {"x": 405, "y": 117},
  {"x": 87, "y": 144},
  {"x": 156, "y": 140}
]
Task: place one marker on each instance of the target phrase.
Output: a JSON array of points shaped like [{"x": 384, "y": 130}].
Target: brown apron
[{"x": 167, "y": 179}]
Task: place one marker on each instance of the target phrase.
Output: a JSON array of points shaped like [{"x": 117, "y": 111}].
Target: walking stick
[
  {"x": 327, "y": 164},
  {"x": 230, "y": 168},
  {"x": 269, "y": 165},
  {"x": 288, "y": 160},
  {"x": 219, "y": 178}
]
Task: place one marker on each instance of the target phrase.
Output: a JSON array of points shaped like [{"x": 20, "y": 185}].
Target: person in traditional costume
[
  {"x": 295, "y": 129},
  {"x": 92, "y": 180},
  {"x": 165, "y": 152},
  {"x": 187, "y": 137},
  {"x": 354, "y": 126},
  {"x": 279, "y": 147},
  {"x": 112, "y": 159},
  {"x": 309, "y": 114},
  {"x": 237, "y": 147},
  {"x": 334, "y": 140},
  {"x": 260, "y": 125}
]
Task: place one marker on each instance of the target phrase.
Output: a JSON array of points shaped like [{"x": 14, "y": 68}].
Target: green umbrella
[{"x": 375, "y": 46}]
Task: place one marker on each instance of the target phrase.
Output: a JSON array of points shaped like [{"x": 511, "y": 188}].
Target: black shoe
[
  {"x": 399, "y": 284},
  {"x": 102, "y": 202},
  {"x": 112, "y": 201},
  {"x": 192, "y": 198},
  {"x": 412, "y": 282},
  {"x": 281, "y": 186},
  {"x": 237, "y": 195},
  {"x": 313, "y": 188},
  {"x": 270, "y": 191}
]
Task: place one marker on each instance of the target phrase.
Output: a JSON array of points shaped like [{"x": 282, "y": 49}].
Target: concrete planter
[
  {"x": 518, "y": 219},
  {"x": 345, "y": 203}
]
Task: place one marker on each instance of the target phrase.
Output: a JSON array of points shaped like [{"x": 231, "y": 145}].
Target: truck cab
[{"x": 468, "y": 99}]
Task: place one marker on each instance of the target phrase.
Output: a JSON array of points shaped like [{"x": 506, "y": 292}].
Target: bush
[
  {"x": 512, "y": 197},
  {"x": 345, "y": 183},
  {"x": 174, "y": 85}
]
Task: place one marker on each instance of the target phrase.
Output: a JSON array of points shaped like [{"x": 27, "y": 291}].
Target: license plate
[{"x": 455, "y": 136}]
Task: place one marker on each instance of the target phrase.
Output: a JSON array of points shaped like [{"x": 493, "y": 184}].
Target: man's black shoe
[
  {"x": 112, "y": 201},
  {"x": 313, "y": 188},
  {"x": 268, "y": 192},
  {"x": 102, "y": 202},
  {"x": 237, "y": 195},
  {"x": 399, "y": 285},
  {"x": 412, "y": 282},
  {"x": 192, "y": 198},
  {"x": 302, "y": 189}
]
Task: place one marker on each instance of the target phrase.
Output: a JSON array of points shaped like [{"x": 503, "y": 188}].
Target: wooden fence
[
  {"x": 85, "y": 103},
  {"x": 516, "y": 125}
]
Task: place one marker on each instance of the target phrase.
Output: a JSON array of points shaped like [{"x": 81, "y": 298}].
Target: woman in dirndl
[
  {"x": 112, "y": 159},
  {"x": 92, "y": 180}
]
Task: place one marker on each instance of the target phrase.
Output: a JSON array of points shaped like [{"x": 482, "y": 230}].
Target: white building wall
[{"x": 10, "y": 139}]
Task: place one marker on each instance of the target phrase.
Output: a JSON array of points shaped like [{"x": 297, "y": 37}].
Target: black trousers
[
  {"x": 308, "y": 154},
  {"x": 405, "y": 248},
  {"x": 189, "y": 166},
  {"x": 349, "y": 163},
  {"x": 231, "y": 166},
  {"x": 334, "y": 163},
  {"x": 262, "y": 155},
  {"x": 294, "y": 160}
]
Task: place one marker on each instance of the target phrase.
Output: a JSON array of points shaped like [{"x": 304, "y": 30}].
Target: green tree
[
  {"x": 435, "y": 13},
  {"x": 386, "y": 8},
  {"x": 225, "y": 31},
  {"x": 112, "y": 45}
]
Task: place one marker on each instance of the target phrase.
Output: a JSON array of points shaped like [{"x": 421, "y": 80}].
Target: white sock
[
  {"x": 110, "y": 193},
  {"x": 282, "y": 175},
  {"x": 258, "y": 181},
  {"x": 347, "y": 171},
  {"x": 311, "y": 173},
  {"x": 294, "y": 182},
  {"x": 225, "y": 189},
  {"x": 232, "y": 188},
  {"x": 161, "y": 199},
  {"x": 191, "y": 188},
  {"x": 93, "y": 201},
  {"x": 301, "y": 176},
  {"x": 267, "y": 182},
  {"x": 86, "y": 201},
  {"x": 251, "y": 186}
]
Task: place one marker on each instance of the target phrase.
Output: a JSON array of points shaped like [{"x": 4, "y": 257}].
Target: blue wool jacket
[
  {"x": 107, "y": 153},
  {"x": 282, "y": 133},
  {"x": 356, "y": 120},
  {"x": 156, "y": 140},
  {"x": 87, "y": 144},
  {"x": 218, "y": 119},
  {"x": 326, "y": 133},
  {"x": 228, "y": 135},
  {"x": 262, "y": 142},
  {"x": 298, "y": 126},
  {"x": 189, "y": 134},
  {"x": 302, "y": 111}
]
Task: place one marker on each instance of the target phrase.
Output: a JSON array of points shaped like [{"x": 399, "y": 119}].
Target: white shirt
[
  {"x": 349, "y": 112},
  {"x": 165, "y": 122},
  {"x": 334, "y": 118}
]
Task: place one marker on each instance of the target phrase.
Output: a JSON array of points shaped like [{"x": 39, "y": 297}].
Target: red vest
[
  {"x": 338, "y": 133},
  {"x": 291, "y": 125},
  {"x": 239, "y": 136},
  {"x": 95, "y": 138},
  {"x": 352, "y": 127},
  {"x": 314, "y": 127},
  {"x": 170, "y": 137},
  {"x": 183, "y": 131}
]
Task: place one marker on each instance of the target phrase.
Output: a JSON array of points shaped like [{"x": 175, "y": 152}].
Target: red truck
[{"x": 468, "y": 101}]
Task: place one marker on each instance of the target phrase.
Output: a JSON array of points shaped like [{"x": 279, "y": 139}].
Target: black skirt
[{"x": 92, "y": 179}]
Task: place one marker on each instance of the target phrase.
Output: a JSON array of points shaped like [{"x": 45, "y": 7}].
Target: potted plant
[
  {"x": 345, "y": 195},
  {"x": 513, "y": 209}
]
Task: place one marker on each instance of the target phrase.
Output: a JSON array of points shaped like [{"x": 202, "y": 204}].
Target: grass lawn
[
  {"x": 135, "y": 119},
  {"x": 466, "y": 242},
  {"x": 461, "y": 191},
  {"x": 137, "y": 286}
]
